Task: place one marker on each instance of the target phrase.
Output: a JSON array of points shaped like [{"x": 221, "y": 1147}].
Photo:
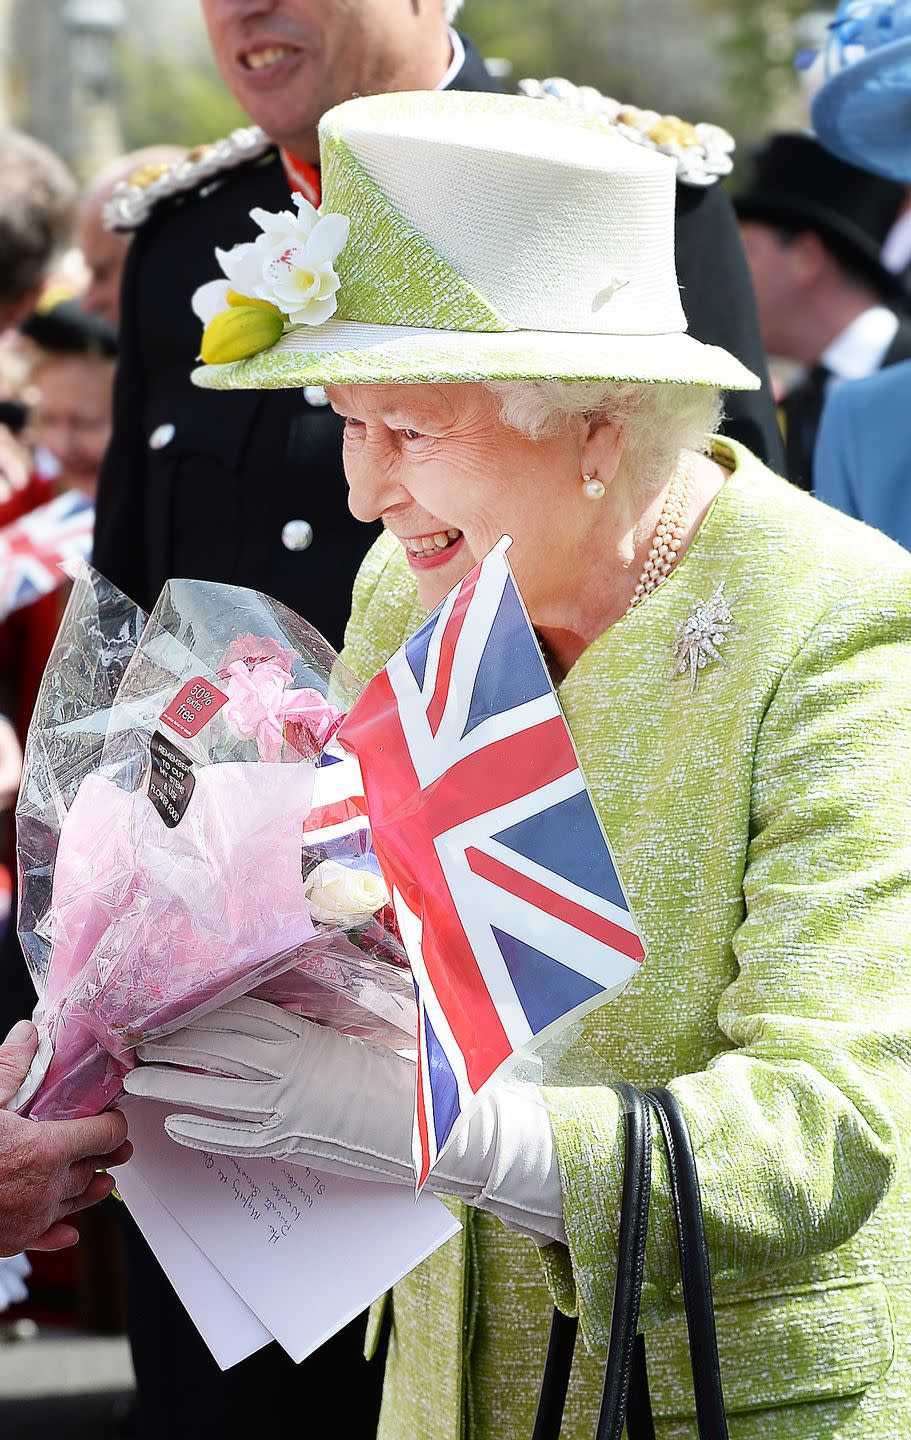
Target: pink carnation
[{"x": 256, "y": 650}]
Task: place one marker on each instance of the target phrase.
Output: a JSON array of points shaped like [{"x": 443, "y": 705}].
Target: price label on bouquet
[
  {"x": 198, "y": 702},
  {"x": 171, "y": 780}
]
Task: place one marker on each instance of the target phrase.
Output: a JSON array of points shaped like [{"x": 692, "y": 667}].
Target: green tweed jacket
[{"x": 762, "y": 826}]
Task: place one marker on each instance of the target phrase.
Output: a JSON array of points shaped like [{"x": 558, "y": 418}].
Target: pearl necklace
[{"x": 668, "y": 538}]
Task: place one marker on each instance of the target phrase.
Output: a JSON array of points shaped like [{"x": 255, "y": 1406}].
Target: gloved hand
[{"x": 277, "y": 1084}]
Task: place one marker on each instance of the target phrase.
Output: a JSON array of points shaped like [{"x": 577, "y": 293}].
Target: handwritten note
[
  {"x": 285, "y": 1199},
  {"x": 305, "y": 1250},
  {"x": 228, "y": 1326}
]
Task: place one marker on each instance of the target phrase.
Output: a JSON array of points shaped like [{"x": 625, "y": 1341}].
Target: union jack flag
[
  {"x": 337, "y": 827},
  {"x": 508, "y": 901},
  {"x": 34, "y": 548}
]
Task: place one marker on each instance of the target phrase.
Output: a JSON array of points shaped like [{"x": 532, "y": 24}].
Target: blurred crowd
[
  {"x": 827, "y": 243},
  {"x": 59, "y": 306}
]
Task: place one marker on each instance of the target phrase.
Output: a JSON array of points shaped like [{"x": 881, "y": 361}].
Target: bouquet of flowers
[{"x": 188, "y": 832}]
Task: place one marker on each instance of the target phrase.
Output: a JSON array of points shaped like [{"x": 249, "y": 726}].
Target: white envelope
[{"x": 306, "y": 1251}]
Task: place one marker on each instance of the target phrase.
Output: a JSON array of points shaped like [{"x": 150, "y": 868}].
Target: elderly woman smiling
[
  {"x": 451, "y": 468},
  {"x": 734, "y": 663}
]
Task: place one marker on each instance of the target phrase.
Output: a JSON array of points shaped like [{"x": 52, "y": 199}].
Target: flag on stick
[{"x": 506, "y": 894}]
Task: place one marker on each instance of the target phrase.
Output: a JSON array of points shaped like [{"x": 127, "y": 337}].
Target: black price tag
[{"x": 171, "y": 780}]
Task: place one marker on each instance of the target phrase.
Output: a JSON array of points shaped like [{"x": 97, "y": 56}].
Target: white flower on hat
[
  {"x": 291, "y": 264},
  {"x": 286, "y": 276}
]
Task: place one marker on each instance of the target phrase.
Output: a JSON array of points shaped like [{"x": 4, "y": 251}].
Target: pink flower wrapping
[
  {"x": 152, "y": 925},
  {"x": 161, "y": 877}
]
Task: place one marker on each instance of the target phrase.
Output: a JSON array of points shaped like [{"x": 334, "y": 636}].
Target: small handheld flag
[{"x": 507, "y": 897}]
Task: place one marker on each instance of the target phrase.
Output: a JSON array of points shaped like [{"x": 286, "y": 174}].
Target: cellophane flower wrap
[{"x": 188, "y": 832}]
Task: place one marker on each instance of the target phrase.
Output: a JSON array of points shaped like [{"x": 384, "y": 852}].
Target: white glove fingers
[
  {"x": 246, "y": 1016},
  {"x": 251, "y": 1099},
  {"x": 224, "y": 1137},
  {"x": 224, "y": 1053}
]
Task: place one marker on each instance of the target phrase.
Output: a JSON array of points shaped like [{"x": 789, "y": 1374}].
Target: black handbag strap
[
  {"x": 554, "y": 1385},
  {"x": 694, "y": 1270},
  {"x": 633, "y": 1232},
  {"x": 627, "y": 1289},
  {"x": 626, "y": 1395}
]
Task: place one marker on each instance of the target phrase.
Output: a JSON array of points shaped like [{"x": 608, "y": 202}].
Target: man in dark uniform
[
  {"x": 250, "y": 492},
  {"x": 249, "y": 489}
]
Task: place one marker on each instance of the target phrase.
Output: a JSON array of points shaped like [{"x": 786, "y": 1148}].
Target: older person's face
[
  {"x": 104, "y": 252},
  {"x": 289, "y": 61},
  {"x": 437, "y": 465},
  {"x": 72, "y": 416}
]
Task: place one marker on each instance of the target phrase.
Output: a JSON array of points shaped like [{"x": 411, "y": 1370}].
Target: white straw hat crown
[
  {"x": 492, "y": 237},
  {"x": 543, "y": 235}
]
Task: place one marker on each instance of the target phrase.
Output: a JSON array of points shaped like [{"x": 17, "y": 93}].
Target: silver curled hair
[{"x": 658, "y": 421}]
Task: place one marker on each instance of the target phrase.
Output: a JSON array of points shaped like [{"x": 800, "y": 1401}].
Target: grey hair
[
  {"x": 451, "y": 9},
  {"x": 658, "y": 420},
  {"x": 37, "y": 210}
]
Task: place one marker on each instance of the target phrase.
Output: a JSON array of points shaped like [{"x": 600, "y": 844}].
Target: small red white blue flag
[
  {"x": 34, "y": 548},
  {"x": 506, "y": 894}
]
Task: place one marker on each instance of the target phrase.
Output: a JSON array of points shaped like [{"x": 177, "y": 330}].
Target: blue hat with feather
[{"x": 861, "y": 111}]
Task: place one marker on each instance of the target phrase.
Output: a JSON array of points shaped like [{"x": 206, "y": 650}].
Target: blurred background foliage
[
  {"x": 727, "y": 61},
  {"x": 167, "y": 101}
]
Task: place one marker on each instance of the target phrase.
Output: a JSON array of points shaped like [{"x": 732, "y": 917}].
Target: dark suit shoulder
[
  {"x": 202, "y": 171},
  {"x": 173, "y": 253}
]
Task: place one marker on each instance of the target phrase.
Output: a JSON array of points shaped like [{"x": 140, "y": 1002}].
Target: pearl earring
[{"x": 592, "y": 487}]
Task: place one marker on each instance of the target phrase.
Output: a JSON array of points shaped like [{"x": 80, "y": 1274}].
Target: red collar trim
[{"x": 302, "y": 177}]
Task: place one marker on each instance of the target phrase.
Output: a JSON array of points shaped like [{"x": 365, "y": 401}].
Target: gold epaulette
[
  {"x": 703, "y": 153},
  {"x": 134, "y": 199}
]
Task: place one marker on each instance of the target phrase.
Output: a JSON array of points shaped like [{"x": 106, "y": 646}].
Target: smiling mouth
[
  {"x": 426, "y": 545},
  {"x": 269, "y": 55}
]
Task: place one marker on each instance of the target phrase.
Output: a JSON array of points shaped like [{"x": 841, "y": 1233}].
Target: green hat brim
[{"x": 343, "y": 352}]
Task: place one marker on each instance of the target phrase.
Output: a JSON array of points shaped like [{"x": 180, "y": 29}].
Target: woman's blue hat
[{"x": 862, "y": 110}]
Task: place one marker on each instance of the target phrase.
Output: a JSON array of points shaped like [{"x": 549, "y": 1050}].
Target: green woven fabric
[
  {"x": 341, "y": 353},
  {"x": 761, "y": 826},
  {"x": 414, "y": 285}
]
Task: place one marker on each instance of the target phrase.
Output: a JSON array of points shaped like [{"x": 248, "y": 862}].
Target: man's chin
[{"x": 278, "y": 110}]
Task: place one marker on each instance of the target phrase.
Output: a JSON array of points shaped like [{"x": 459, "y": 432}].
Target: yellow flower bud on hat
[
  {"x": 240, "y": 331},
  {"x": 237, "y": 300}
]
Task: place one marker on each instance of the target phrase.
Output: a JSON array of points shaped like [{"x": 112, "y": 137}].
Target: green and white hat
[{"x": 462, "y": 237}]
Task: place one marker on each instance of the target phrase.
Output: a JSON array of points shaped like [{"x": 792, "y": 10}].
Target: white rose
[
  {"x": 291, "y": 263},
  {"x": 339, "y": 896}
]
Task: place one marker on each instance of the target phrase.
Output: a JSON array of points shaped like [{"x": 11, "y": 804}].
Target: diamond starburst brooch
[{"x": 702, "y": 634}]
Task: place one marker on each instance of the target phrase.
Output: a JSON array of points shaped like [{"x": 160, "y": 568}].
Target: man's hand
[{"x": 48, "y": 1168}]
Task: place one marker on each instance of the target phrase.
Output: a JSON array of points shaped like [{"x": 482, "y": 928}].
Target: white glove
[{"x": 277, "y": 1084}]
